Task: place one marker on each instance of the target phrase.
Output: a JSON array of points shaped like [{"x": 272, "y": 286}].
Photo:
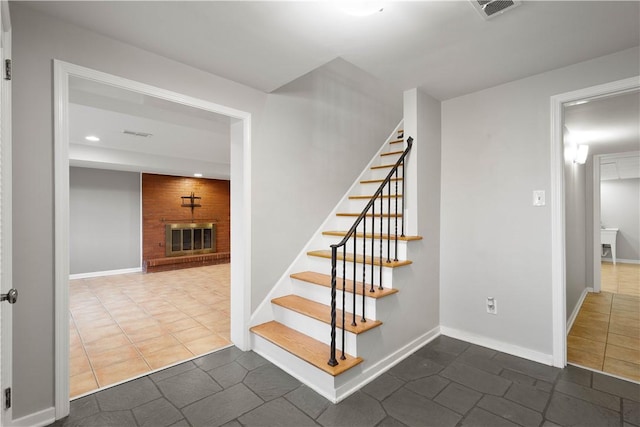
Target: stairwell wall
[{"x": 327, "y": 124}]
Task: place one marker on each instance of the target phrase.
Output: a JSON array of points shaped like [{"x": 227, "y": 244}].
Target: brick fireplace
[{"x": 163, "y": 209}]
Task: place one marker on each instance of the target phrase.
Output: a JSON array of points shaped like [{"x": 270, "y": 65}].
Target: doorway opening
[
  {"x": 595, "y": 331},
  {"x": 239, "y": 124}
]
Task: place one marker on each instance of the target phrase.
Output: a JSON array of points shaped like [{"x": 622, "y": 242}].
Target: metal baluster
[
  {"x": 344, "y": 286},
  {"x": 381, "y": 222},
  {"x": 402, "y": 198},
  {"x": 332, "y": 356},
  {"x": 373, "y": 242},
  {"x": 389, "y": 221},
  {"x": 353, "y": 321},
  {"x": 396, "y": 244},
  {"x": 364, "y": 263}
]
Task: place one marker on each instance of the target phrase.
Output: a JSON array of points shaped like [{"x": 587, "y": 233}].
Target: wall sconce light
[
  {"x": 582, "y": 152},
  {"x": 577, "y": 153}
]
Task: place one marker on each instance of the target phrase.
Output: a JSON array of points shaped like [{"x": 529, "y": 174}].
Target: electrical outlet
[{"x": 492, "y": 305}]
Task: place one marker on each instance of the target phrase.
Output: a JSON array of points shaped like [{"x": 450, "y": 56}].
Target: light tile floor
[
  {"x": 606, "y": 333},
  {"x": 127, "y": 325},
  {"x": 620, "y": 278}
]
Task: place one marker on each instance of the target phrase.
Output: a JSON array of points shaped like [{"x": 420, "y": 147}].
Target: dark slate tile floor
[{"x": 446, "y": 383}]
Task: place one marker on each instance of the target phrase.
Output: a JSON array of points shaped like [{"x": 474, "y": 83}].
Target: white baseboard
[
  {"x": 622, "y": 260},
  {"x": 576, "y": 309},
  {"x": 502, "y": 346},
  {"x": 374, "y": 371},
  {"x": 105, "y": 273},
  {"x": 37, "y": 419}
]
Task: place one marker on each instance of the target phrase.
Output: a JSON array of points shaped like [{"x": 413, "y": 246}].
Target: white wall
[
  {"x": 104, "y": 220},
  {"x": 495, "y": 152},
  {"x": 620, "y": 208},
  {"x": 576, "y": 233},
  {"x": 322, "y": 130},
  {"x": 428, "y": 158},
  {"x": 333, "y": 119}
]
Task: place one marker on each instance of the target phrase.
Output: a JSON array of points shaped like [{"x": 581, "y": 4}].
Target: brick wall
[{"x": 161, "y": 204}]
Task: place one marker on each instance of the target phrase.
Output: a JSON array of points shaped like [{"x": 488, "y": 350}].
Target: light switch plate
[{"x": 538, "y": 198}]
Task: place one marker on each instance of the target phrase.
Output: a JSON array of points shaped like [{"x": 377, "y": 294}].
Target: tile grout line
[
  {"x": 84, "y": 349},
  {"x": 220, "y": 279},
  {"x": 126, "y": 335},
  {"x": 606, "y": 341}
]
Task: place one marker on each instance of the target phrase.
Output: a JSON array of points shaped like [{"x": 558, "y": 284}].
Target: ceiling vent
[
  {"x": 489, "y": 9},
  {"x": 134, "y": 133}
]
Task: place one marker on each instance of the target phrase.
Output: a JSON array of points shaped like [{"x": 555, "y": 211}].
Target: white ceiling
[
  {"x": 607, "y": 125},
  {"x": 443, "y": 47},
  {"x": 183, "y": 140}
]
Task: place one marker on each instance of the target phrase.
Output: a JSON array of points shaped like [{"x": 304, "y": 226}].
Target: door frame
[
  {"x": 597, "y": 250},
  {"x": 6, "y": 251},
  {"x": 558, "y": 266},
  {"x": 240, "y": 210},
  {"x": 597, "y": 273}
]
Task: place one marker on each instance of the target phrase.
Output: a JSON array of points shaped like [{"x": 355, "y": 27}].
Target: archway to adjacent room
[
  {"x": 240, "y": 123},
  {"x": 558, "y": 223}
]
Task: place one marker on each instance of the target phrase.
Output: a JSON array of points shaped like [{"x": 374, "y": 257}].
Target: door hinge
[
  {"x": 7, "y": 398},
  {"x": 7, "y": 69}
]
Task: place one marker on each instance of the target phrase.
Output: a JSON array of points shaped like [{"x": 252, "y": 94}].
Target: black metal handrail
[{"x": 352, "y": 234}]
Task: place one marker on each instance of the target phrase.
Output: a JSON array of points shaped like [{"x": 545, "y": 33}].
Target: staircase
[{"x": 335, "y": 319}]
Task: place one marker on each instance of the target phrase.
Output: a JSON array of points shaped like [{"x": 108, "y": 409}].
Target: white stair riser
[
  {"x": 358, "y": 205},
  {"x": 388, "y": 246},
  {"x": 319, "y": 380},
  {"x": 345, "y": 222},
  {"x": 391, "y": 158},
  {"x": 323, "y": 265},
  {"x": 322, "y": 295},
  {"x": 371, "y": 187},
  {"x": 316, "y": 329},
  {"x": 381, "y": 173}
]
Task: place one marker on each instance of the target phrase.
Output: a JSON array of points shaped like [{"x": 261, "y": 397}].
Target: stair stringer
[{"x": 283, "y": 286}]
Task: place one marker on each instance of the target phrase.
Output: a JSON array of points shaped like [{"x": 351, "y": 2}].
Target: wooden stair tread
[
  {"x": 366, "y": 197},
  {"x": 325, "y": 253},
  {"x": 325, "y": 280},
  {"x": 392, "y": 153},
  {"x": 375, "y": 236},
  {"x": 385, "y": 166},
  {"x": 397, "y": 141},
  {"x": 383, "y": 215},
  {"x": 304, "y": 347},
  {"x": 374, "y": 181},
  {"x": 322, "y": 312}
]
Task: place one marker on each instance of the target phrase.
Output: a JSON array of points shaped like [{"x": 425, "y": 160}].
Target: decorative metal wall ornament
[{"x": 190, "y": 202}]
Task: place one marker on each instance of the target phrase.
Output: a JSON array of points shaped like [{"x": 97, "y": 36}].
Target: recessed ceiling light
[
  {"x": 92, "y": 138},
  {"x": 197, "y": 175}
]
